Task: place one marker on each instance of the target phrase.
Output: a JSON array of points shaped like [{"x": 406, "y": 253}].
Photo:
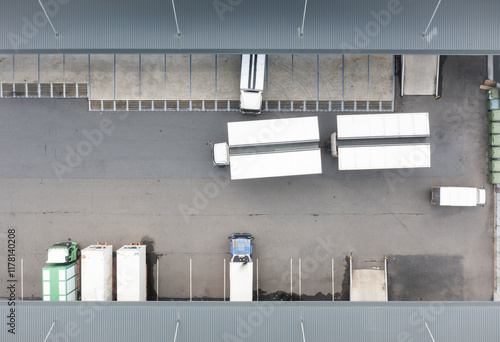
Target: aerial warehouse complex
[{"x": 356, "y": 143}]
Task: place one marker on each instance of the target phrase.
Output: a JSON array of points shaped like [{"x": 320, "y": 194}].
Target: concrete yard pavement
[
  {"x": 131, "y": 177},
  {"x": 306, "y": 77}
]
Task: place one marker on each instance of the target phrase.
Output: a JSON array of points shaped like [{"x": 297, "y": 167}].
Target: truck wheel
[
  {"x": 221, "y": 166},
  {"x": 78, "y": 253}
]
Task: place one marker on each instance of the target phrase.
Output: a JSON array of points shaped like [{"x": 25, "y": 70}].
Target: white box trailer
[
  {"x": 373, "y": 126},
  {"x": 374, "y": 157},
  {"x": 60, "y": 282},
  {"x": 265, "y": 165},
  {"x": 97, "y": 273},
  {"x": 131, "y": 273},
  {"x": 240, "y": 281},
  {"x": 271, "y": 148},
  {"x": 455, "y": 196},
  {"x": 252, "y": 83},
  {"x": 273, "y": 131}
]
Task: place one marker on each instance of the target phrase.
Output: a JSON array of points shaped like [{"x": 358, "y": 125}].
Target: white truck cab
[
  {"x": 220, "y": 154},
  {"x": 455, "y": 196},
  {"x": 252, "y": 83}
]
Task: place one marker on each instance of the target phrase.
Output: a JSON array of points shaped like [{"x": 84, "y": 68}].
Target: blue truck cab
[{"x": 241, "y": 247}]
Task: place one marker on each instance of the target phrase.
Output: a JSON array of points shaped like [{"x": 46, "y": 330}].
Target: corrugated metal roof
[
  {"x": 237, "y": 26},
  {"x": 257, "y": 321}
]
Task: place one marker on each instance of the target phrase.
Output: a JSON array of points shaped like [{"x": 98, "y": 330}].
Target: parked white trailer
[
  {"x": 375, "y": 157},
  {"x": 97, "y": 273},
  {"x": 270, "y": 148},
  {"x": 372, "y": 126},
  {"x": 273, "y": 131},
  {"x": 252, "y": 83},
  {"x": 131, "y": 273},
  {"x": 455, "y": 196}
]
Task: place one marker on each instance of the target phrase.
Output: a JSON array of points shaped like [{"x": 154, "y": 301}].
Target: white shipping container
[
  {"x": 371, "y": 126},
  {"x": 97, "y": 273},
  {"x": 131, "y": 273},
  {"x": 384, "y": 157}
]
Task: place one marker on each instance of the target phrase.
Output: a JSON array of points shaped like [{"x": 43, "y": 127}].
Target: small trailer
[
  {"x": 131, "y": 273},
  {"x": 97, "y": 273},
  {"x": 455, "y": 196}
]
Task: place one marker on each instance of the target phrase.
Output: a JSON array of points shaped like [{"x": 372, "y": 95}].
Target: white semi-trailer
[
  {"x": 252, "y": 83},
  {"x": 373, "y": 126},
  {"x": 241, "y": 268},
  {"x": 455, "y": 196},
  {"x": 270, "y": 148},
  {"x": 384, "y": 156}
]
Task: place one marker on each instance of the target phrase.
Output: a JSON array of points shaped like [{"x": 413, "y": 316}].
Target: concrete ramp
[
  {"x": 368, "y": 285},
  {"x": 420, "y": 75}
]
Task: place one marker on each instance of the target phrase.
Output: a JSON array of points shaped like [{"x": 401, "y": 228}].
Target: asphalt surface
[{"x": 117, "y": 177}]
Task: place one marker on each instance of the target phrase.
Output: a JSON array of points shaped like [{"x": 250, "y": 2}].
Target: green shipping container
[
  {"x": 494, "y": 140},
  {"x": 494, "y": 115},
  {"x": 492, "y": 93},
  {"x": 494, "y": 152},
  {"x": 494, "y": 128},
  {"x": 494, "y": 178},
  {"x": 493, "y": 104},
  {"x": 60, "y": 282},
  {"x": 494, "y": 165}
]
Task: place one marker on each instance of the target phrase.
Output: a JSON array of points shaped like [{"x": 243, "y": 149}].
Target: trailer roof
[
  {"x": 377, "y": 157},
  {"x": 274, "y": 131},
  {"x": 265, "y": 165},
  {"x": 259, "y": 26},
  {"x": 368, "y": 126}
]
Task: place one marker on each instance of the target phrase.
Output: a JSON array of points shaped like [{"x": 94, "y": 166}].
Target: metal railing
[
  {"x": 44, "y": 90},
  {"x": 233, "y": 105}
]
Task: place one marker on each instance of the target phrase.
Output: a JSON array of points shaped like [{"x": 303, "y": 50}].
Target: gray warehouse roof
[
  {"x": 257, "y": 321},
  {"x": 237, "y": 26}
]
